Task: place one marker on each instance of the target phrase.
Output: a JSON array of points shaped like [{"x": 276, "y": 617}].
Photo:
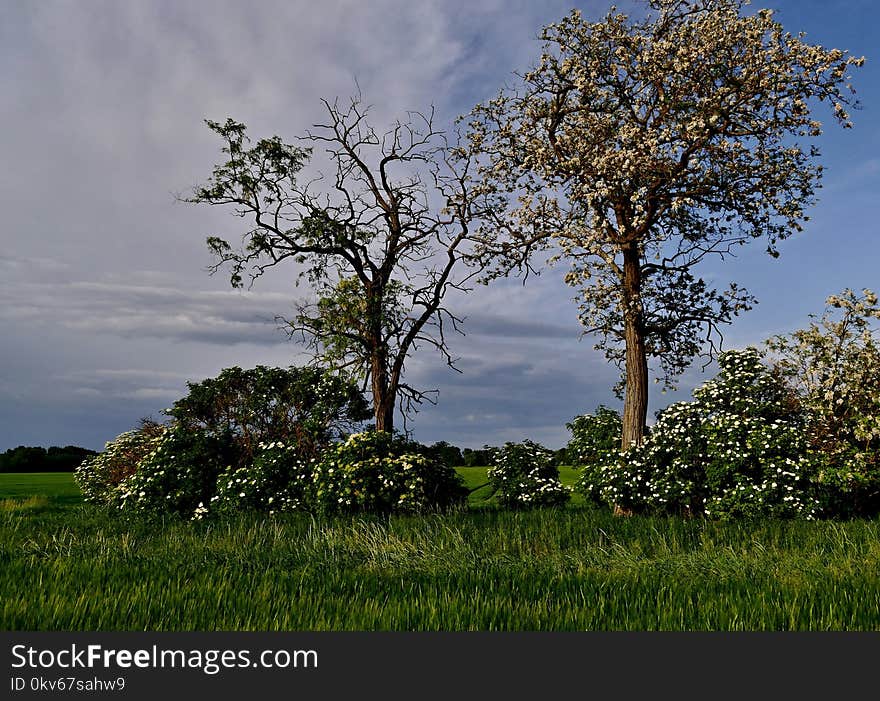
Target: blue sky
[{"x": 105, "y": 304}]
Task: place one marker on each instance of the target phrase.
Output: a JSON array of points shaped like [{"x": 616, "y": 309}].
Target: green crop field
[
  {"x": 58, "y": 486},
  {"x": 71, "y": 566},
  {"x": 477, "y": 481}
]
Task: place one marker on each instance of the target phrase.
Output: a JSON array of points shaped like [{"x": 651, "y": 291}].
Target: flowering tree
[
  {"x": 375, "y": 245},
  {"x": 641, "y": 147}
]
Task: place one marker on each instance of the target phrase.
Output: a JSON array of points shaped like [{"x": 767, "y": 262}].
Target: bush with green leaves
[
  {"x": 377, "y": 472},
  {"x": 98, "y": 476},
  {"x": 305, "y": 407},
  {"x": 833, "y": 368},
  {"x": 446, "y": 453},
  {"x": 737, "y": 450},
  {"x": 595, "y": 438},
  {"x": 279, "y": 479},
  {"x": 525, "y": 475},
  {"x": 218, "y": 437},
  {"x": 178, "y": 475}
]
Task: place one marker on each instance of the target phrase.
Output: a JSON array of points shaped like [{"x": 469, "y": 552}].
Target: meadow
[{"x": 65, "y": 565}]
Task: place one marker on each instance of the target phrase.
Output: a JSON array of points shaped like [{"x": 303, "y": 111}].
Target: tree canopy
[
  {"x": 380, "y": 241},
  {"x": 639, "y": 147}
]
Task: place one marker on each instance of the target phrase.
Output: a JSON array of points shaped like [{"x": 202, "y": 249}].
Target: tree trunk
[
  {"x": 385, "y": 417},
  {"x": 635, "y": 403},
  {"x": 383, "y": 398}
]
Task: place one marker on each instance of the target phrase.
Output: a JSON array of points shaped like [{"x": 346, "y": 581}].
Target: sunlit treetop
[{"x": 640, "y": 146}]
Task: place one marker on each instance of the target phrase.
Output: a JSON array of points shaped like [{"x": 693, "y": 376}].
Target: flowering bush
[
  {"x": 833, "y": 368},
  {"x": 236, "y": 441},
  {"x": 595, "y": 438},
  {"x": 100, "y": 475},
  {"x": 375, "y": 471},
  {"x": 525, "y": 475},
  {"x": 737, "y": 450},
  {"x": 178, "y": 474},
  {"x": 279, "y": 480}
]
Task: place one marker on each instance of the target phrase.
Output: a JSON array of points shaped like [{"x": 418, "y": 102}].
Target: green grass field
[
  {"x": 477, "y": 482},
  {"x": 69, "y": 566},
  {"x": 59, "y": 486}
]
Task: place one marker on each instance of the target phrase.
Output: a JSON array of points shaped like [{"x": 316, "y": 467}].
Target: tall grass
[{"x": 81, "y": 568}]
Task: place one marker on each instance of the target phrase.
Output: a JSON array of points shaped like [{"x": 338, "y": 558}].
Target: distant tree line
[
  {"x": 36, "y": 459},
  {"x": 66, "y": 459}
]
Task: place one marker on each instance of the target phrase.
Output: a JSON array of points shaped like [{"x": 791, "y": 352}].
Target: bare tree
[
  {"x": 381, "y": 240},
  {"x": 643, "y": 147}
]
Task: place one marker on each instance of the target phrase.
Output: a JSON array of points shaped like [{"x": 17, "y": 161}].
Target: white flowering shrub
[
  {"x": 279, "y": 479},
  {"x": 375, "y": 471},
  {"x": 99, "y": 476},
  {"x": 737, "y": 450},
  {"x": 525, "y": 475},
  {"x": 236, "y": 441},
  {"x": 833, "y": 368},
  {"x": 178, "y": 474},
  {"x": 595, "y": 438}
]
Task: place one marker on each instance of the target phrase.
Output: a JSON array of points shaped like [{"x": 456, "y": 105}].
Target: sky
[{"x": 106, "y": 305}]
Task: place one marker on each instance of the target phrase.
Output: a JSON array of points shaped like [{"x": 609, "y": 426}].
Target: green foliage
[
  {"x": 37, "y": 459},
  {"x": 525, "y": 475},
  {"x": 178, "y": 475},
  {"x": 305, "y": 407},
  {"x": 595, "y": 438},
  {"x": 375, "y": 471},
  {"x": 99, "y": 476},
  {"x": 833, "y": 368},
  {"x": 479, "y": 457},
  {"x": 279, "y": 479},
  {"x": 737, "y": 450},
  {"x": 447, "y": 454},
  {"x": 560, "y": 457},
  {"x": 225, "y": 440},
  {"x": 346, "y": 315}
]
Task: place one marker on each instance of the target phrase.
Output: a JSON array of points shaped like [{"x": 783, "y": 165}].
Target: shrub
[
  {"x": 375, "y": 471},
  {"x": 228, "y": 432},
  {"x": 178, "y": 475},
  {"x": 303, "y": 407},
  {"x": 737, "y": 450},
  {"x": 595, "y": 438},
  {"x": 280, "y": 479},
  {"x": 525, "y": 475},
  {"x": 833, "y": 368},
  {"x": 100, "y": 475}
]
